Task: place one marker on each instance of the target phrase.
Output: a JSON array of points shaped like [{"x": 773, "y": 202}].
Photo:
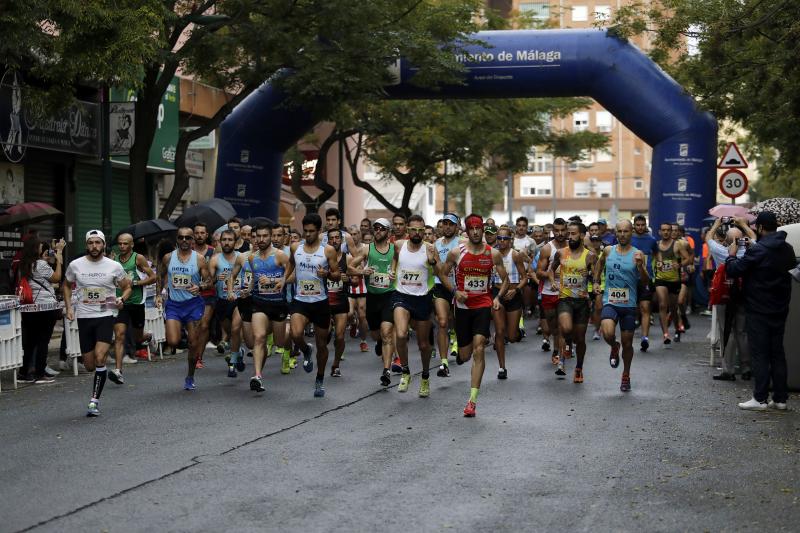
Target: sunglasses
[
  {"x": 185, "y": 238},
  {"x": 503, "y": 238},
  {"x": 379, "y": 228}
]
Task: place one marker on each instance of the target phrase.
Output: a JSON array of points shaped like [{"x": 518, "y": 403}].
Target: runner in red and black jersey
[{"x": 473, "y": 261}]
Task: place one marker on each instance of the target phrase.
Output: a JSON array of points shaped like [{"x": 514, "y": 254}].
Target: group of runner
[{"x": 267, "y": 291}]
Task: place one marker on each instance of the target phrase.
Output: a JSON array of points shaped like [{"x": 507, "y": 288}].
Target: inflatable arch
[{"x": 513, "y": 64}]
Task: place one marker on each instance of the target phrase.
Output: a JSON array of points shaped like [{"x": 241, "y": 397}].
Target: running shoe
[
  {"x": 188, "y": 384},
  {"x": 94, "y": 408},
  {"x": 677, "y": 336},
  {"x": 753, "y": 405},
  {"x": 522, "y": 333},
  {"x": 405, "y": 381},
  {"x": 578, "y": 376},
  {"x": 625, "y": 384},
  {"x": 116, "y": 377},
  {"x": 502, "y": 374},
  {"x": 560, "y": 370},
  {"x": 335, "y": 372},
  {"x": 780, "y": 406},
  {"x": 319, "y": 390},
  {"x": 555, "y": 359},
  {"x": 644, "y": 345},
  {"x": 545, "y": 345},
  {"x": 222, "y": 347},
  {"x": 308, "y": 364},
  {"x": 44, "y": 379},
  {"x": 386, "y": 378},
  {"x": 240, "y": 365},
  {"x": 686, "y": 323},
  {"x": 364, "y": 346},
  {"x": 596, "y": 336},
  {"x": 469, "y": 410},
  {"x": 397, "y": 367},
  {"x": 613, "y": 357},
  {"x": 285, "y": 362},
  {"x": 667, "y": 340},
  {"x": 538, "y": 330},
  {"x": 232, "y": 372},
  {"x": 292, "y": 362},
  {"x": 425, "y": 388},
  {"x": 444, "y": 370},
  {"x": 453, "y": 349},
  {"x": 199, "y": 364},
  {"x": 128, "y": 360},
  {"x": 257, "y": 384}
]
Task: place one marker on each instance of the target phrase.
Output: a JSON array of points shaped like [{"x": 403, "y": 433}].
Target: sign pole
[{"x": 104, "y": 155}]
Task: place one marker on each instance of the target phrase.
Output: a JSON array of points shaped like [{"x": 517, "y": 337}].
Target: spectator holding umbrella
[{"x": 764, "y": 269}]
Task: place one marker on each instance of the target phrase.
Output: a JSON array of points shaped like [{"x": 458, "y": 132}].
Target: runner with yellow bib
[{"x": 576, "y": 262}]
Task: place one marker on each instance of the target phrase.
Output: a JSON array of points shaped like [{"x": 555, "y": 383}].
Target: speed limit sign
[{"x": 733, "y": 183}]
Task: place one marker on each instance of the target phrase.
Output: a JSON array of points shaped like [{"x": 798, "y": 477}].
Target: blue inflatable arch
[{"x": 514, "y": 64}]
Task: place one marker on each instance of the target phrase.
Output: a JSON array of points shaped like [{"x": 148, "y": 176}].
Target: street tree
[
  {"x": 740, "y": 60},
  {"x": 320, "y": 54}
]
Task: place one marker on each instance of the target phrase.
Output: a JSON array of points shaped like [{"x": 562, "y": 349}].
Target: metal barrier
[
  {"x": 10, "y": 335},
  {"x": 73, "y": 343},
  {"x": 154, "y": 324}
]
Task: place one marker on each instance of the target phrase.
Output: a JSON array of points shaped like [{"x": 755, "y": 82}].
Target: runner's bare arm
[
  {"x": 639, "y": 259},
  {"x": 144, "y": 266},
  {"x": 519, "y": 261},
  {"x": 290, "y": 270},
  {"x": 67, "y": 292},
  {"x": 497, "y": 259},
  {"x": 356, "y": 261},
  {"x": 163, "y": 271},
  {"x": 125, "y": 284},
  {"x": 544, "y": 262},
  {"x": 449, "y": 263},
  {"x": 599, "y": 265},
  {"x": 205, "y": 275},
  {"x": 334, "y": 273}
]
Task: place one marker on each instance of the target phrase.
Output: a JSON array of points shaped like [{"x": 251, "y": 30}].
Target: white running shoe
[
  {"x": 780, "y": 406},
  {"x": 753, "y": 405},
  {"x": 128, "y": 360}
]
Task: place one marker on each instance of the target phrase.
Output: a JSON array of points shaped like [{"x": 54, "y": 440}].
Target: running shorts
[
  {"x": 418, "y": 306},
  {"x": 439, "y": 291},
  {"x": 94, "y": 330},
  {"x": 184, "y": 312},
  {"x": 624, "y": 316},
  {"x": 549, "y": 302},
  {"x": 132, "y": 314},
  {"x": 318, "y": 313},
  {"x": 673, "y": 287},
  {"x": 514, "y": 304},
  {"x": 224, "y": 309},
  {"x": 275, "y": 311},
  {"x": 245, "y": 307},
  {"x": 577, "y": 307},
  {"x": 471, "y": 322},
  {"x": 379, "y": 309}
]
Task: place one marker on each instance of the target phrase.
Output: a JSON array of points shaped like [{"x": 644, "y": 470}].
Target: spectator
[
  {"x": 764, "y": 269},
  {"x": 606, "y": 235},
  {"x": 37, "y": 325}
]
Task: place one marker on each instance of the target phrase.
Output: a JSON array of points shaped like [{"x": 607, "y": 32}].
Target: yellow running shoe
[
  {"x": 284, "y": 361},
  {"x": 424, "y": 388},
  {"x": 292, "y": 362},
  {"x": 405, "y": 381}
]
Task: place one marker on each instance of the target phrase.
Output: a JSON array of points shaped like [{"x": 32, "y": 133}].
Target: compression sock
[
  {"x": 100, "y": 375},
  {"x": 473, "y": 394}
]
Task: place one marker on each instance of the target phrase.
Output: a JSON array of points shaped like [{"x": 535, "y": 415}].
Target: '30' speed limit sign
[{"x": 733, "y": 183}]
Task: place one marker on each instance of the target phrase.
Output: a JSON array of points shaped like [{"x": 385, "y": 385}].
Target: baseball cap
[
  {"x": 95, "y": 233},
  {"x": 450, "y": 217},
  {"x": 602, "y": 221},
  {"x": 767, "y": 219},
  {"x": 490, "y": 228},
  {"x": 382, "y": 222}
]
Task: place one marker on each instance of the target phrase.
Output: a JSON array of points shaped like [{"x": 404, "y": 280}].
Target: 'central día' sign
[{"x": 74, "y": 129}]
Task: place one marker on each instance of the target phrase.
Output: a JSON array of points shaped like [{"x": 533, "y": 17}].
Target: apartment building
[{"x": 604, "y": 180}]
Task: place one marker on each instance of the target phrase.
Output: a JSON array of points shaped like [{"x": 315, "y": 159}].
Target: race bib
[
  {"x": 181, "y": 281},
  {"x": 380, "y": 280},
  {"x": 248, "y": 277},
  {"x": 94, "y": 295},
  {"x": 334, "y": 286},
  {"x": 667, "y": 266},
  {"x": 309, "y": 287},
  {"x": 618, "y": 296},
  {"x": 477, "y": 284},
  {"x": 223, "y": 276},
  {"x": 267, "y": 285},
  {"x": 573, "y": 281},
  {"x": 410, "y": 278}
]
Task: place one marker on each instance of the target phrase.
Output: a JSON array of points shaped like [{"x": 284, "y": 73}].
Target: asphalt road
[{"x": 543, "y": 454}]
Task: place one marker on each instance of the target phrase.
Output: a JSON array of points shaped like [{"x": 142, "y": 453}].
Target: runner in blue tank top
[
  {"x": 221, "y": 267},
  {"x": 184, "y": 274},
  {"x": 312, "y": 264},
  {"x": 624, "y": 269},
  {"x": 269, "y": 307}
]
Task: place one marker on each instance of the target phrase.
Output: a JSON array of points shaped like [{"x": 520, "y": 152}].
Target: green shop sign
[{"x": 162, "y": 151}]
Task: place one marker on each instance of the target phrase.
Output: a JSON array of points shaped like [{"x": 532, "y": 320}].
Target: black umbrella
[
  {"x": 255, "y": 221},
  {"x": 214, "y": 213},
  {"x": 149, "y": 229}
]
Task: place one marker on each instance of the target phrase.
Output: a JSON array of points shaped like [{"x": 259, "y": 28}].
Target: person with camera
[
  {"x": 764, "y": 269},
  {"x": 731, "y": 319}
]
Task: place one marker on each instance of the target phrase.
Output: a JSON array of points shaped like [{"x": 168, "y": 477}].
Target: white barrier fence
[{"x": 10, "y": 335}]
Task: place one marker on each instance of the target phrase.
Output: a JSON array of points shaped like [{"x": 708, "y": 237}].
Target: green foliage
[
  {"x": 744, "y": 66},
  {"x": 485, "y": 191}
]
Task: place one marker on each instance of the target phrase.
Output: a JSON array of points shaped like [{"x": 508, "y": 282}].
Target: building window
[
  {"x": 637, "y": 151},
  {"x": 580, "y": 121},
  {"x": 604, "y": 156},
  {"x": 602, "y": 13},
  {"x": 583, "y": 189},
  {"x": 638, "y": 185},
  {"x": 531, "y": 186},
  {"x": 539, "y": 161},
  {"x": 538, "y": 11},
  {"x": 604, "y": 121},
  {"x": 585, "y": 160},
  {"x": 604, "y": 189},
  {"x": 580, "y": 14}
]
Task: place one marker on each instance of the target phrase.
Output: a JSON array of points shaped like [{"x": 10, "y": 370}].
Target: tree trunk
[
  {"x": 312, "y": 205},
  {"x": 352, "y": 163}
]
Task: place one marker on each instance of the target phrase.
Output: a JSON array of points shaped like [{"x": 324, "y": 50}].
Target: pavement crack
[{"x": 197, "y": 460}]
